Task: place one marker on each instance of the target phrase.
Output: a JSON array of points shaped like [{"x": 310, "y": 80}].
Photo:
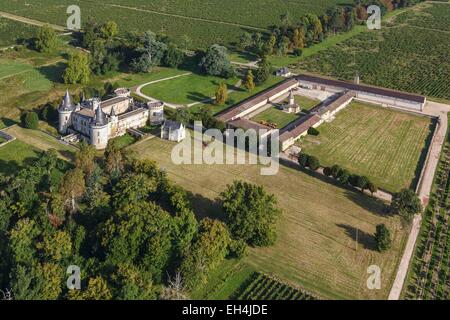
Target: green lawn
[
  {"x": 13, "y": 155},
  {"x": 41, "y": 141},
  {"x": 306, "y": 103},
  {"x": 186, "y": 89},
  {"x": 385, "y": 145},
  {"x": 275, "y": 115},
  {"x": 239, "y": 95},
  {"x": 316, "y": 247},
  {"x": 123, "y": 141},
  {"x": 129, "y": 80}
]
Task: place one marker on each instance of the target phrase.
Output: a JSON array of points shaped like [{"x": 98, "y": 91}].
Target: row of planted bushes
[{"x": 341, "y": 175}]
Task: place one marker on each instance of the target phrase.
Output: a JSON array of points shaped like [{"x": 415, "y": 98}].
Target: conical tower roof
[
  {"x": 100, "y": 119},
  {"x": 66, "y": 103}
]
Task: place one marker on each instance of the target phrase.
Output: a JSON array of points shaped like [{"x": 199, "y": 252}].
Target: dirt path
[
  {"x": 30, "y": 21},
  {"x": 138, "y": 90},
  {"x": 187, "y": 17},
  {"x": 424, "y": 189}
]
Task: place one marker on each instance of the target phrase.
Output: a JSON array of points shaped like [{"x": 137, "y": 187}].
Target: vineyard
[
  {"x": 432, "y": 16},
  {"x": 430, "y": 278},
  {"x": 263, "y": 287},
  {"x": 207, "y": 22},
  {"x": 401, "y": 57},
  {"x": 12, "y": 32}
]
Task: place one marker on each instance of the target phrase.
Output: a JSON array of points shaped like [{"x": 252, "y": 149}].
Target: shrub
[
  {"x": 313, "y": 163},
  {"x": 298, "y": 52},
  {"x": 371, "y": 187},
  {"x": 303, "y": 160},
  {"x": 343, "y": 176},
  {"x": 30, "y": 120},
  {"x": 237, "y": 249},
  {"x": 383, "y": 238},
  {"x": 335, "y": 171},
  {"x": 406, "y": 203},
  {"x": 313, "y": 131},
  {"x": 327, "y": 171}
]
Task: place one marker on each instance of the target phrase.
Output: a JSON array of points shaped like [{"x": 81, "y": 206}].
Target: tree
[
  {"x": 132, "y": 283},
  {"x": 372, "y": 187},
  {"x": 249, "y": 83},
  {"x": 78, "y": 69},
  {"x": 97, "y": 290},
  {"x": 30, "y": 120},
  {"x": 216, "y": 62},
  {"x": 56, "y": 246},
  {"x": 46, "y": 39},
  {"x": 245, "y": 41},
  {"x": 21, "y": 240},
  {"x": 383, "y": 238},
  {"x": 263, "y": 71},
  {"x": 251, "y": 213},
  {"x": 208, "y": 249},
  {"x": 327, "y": 171},
  {"x": 108, "y": 30},
  {"x": 221, "y": 94},
  {"x": 102, "y": 61},
  {"x": 150, "y": 53},
  {"x": 313, "y": 163},
  {"x": 271, "y": 44},
  {"x": 173, "y": 56},
  {"x": 84, "y": 158},
  {"x": 175, "y": 289},
  {"x": 303, "y": 160},
  {"x": 406, "y": 203},
  {"x": 299, "y": 38},
  {"x": 72, "y": 188}
]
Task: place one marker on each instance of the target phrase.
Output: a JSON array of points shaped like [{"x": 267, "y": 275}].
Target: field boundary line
[
  {"x": 29, "y": 21},
  {"x": 32, "y": 69},
  {"x": 174, "y": 15}
]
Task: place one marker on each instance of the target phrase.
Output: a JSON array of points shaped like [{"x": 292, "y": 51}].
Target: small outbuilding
[
  {"x": 173, "y": 131},
  {"x": 283, "y": 72}
]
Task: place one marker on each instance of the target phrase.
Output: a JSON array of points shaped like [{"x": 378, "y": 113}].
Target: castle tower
[
  {"x": 156, "y": 112},
  {"x": 99, "y": 130},
  {"x": 65, "y": 110}
]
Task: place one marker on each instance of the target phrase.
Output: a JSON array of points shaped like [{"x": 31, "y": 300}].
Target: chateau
[{"x": 98, "y": 121}]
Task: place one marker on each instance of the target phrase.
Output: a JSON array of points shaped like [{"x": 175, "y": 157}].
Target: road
[{"x": 424, "y": 189}]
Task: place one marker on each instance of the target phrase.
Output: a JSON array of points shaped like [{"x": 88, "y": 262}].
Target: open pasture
[{"x": 316, "y": 247}]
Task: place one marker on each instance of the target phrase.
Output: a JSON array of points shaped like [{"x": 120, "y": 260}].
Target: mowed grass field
[
  {"x": 385, "y": 145},
  {"x": 187, "y": 89},
  {"x": 316, "y": 247},
  {"x": 205, "y": 21}
]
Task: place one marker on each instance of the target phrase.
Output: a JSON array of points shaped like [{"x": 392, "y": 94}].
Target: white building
[
  {"x": 98, "y": 121},
  {"x": 173, "y": 131},
  {"x": 291, "y": 106}
]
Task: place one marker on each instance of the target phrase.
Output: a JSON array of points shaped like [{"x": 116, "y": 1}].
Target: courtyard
[{"x": 386, "y": 145}]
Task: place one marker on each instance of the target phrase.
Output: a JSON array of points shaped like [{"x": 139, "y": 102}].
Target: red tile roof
[
  {"x": 248, "y": 103},
  {"x": 362, "y": 87}
]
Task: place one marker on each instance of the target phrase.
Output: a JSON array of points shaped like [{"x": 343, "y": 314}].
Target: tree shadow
[
  {"x": 9, "y": 167},
  {"x": 366, "y": 240},
  {"x": 368, "y": 203},
  {"x": 8, "y": 122},
  {"x": 206, "y": 208},
  {"x": 53, "y": 72},
  {"x": 197, "y": 96}
]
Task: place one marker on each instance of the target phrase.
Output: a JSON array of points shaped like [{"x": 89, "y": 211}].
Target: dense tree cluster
[
  {"x": 132, "y": 233},
  {"x": 406, "y": 203}
]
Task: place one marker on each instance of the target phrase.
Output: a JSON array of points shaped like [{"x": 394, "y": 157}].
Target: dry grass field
[
  {"x": 316, "y": 246},
  {"x": 385, "y": 145}
]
